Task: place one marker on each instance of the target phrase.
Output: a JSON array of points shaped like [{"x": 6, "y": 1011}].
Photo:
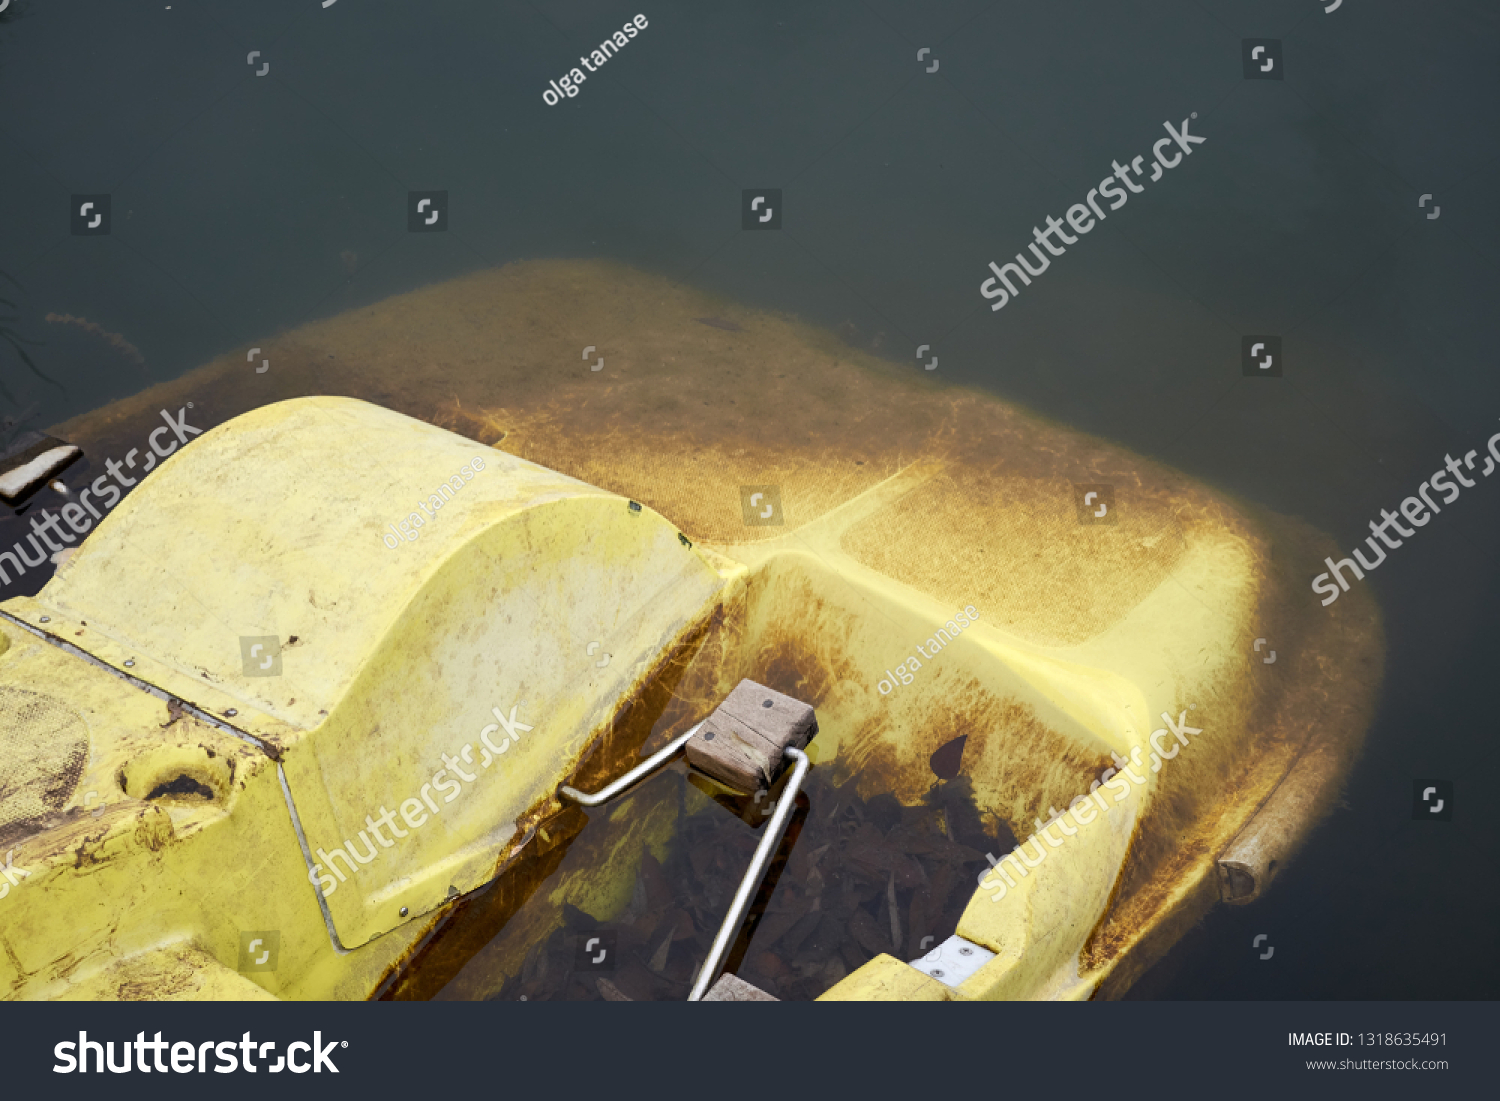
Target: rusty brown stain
[
  {"x": 457, "y": 933},
  {"x": 23, "y": 976},
  {"x": 15, "y": 833},
  {"x": 46, "y": 749},
  {"x": 845, "y": 421},
  {"x": 154, "y": 830},
  {"x": 795, "y": 655},
  {"x": 1199, "y": 808},
  {"x": 460, "y": 931},
  {"x": 162, "y": 975},
  {"x": 84, "y": 855}
]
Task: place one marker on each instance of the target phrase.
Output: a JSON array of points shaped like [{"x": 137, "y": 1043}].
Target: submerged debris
[
  {"x": 855, "y": 878},
  {"x": 948, "y": 760},
  {"x": 114, "y": 340}
]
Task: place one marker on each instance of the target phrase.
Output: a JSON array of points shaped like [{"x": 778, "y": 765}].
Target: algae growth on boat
[{"x": 841, "y": 513}]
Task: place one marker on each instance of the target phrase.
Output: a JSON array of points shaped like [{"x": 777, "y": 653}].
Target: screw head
[
  {"x": 130, "y": 663},
  {"x": 765, "y": 703},
  {"x": 232, "y": 712},
  {"x": 46, "y": 619},
  {"x": 403, "y": 911},
  {"x": 966, "y": 951},
  {"x": 708, "y": 736},
  {"x": 937, "y": 972}
]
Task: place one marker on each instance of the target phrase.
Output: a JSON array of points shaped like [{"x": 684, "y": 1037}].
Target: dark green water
[{"x": 244, "y": 205}]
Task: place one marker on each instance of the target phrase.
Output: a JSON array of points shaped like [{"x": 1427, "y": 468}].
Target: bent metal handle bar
[
  {"x": 769, "y": 842},
  {"x": 753, "y": 875},
  {"x": 639, "y": 772}
]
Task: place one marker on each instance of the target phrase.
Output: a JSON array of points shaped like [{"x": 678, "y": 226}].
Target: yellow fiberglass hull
[{"x": 812, "y": 519}]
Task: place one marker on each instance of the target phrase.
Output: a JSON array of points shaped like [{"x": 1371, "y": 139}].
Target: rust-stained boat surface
[{"x": 836, "y": 513}]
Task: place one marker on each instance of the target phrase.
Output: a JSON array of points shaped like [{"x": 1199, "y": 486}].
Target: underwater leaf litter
[{"x": 853, "y": 879}]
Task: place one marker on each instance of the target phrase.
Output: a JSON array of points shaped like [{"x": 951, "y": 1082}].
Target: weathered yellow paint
[
  {"x": 396, "y": 658},
  {"x": 904, "y": 501}
]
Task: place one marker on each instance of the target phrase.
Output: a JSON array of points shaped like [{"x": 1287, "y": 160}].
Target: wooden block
[
  {"x": 779, "y": 719},
  {"x": 742, "y": 744},
  {"x": 732, "y": 988},
  {"x": 733, "y": 754}
]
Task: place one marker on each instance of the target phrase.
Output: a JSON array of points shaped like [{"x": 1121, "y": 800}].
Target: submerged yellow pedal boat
[{"x": 301, "y": 705}]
